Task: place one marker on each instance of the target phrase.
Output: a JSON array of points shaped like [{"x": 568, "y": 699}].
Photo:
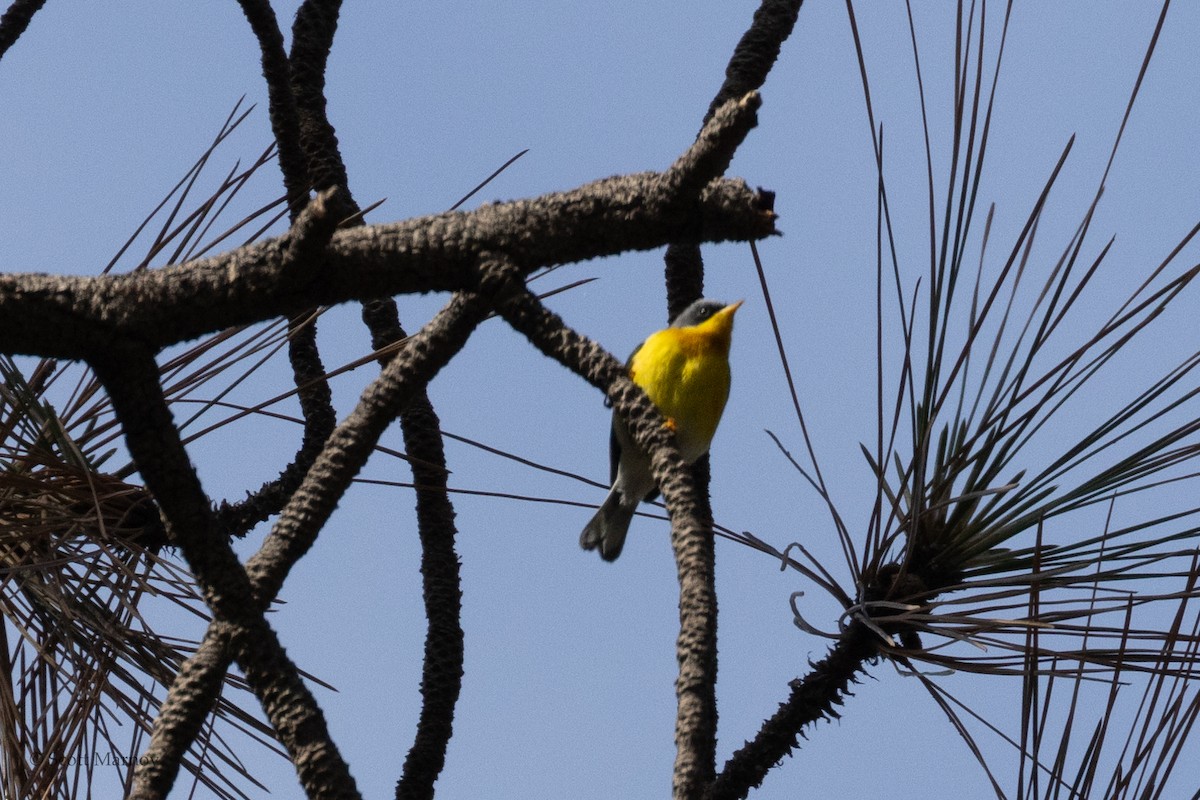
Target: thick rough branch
[
  {"x": 72, "y": 317},
  {"x": 308, "y": 371},
  {"x": 691, "y": 527},
  {"x": 696, "y": 723},
  {"x": 696, "y": 646},
  {"x": 813, "y": 697},
  {"x": 182, "y": 714},
  {"x": 696, "y": 649},
  {"x": 442, "y": 668},
  {"x": 199, "y": 681},
  {"x": 756, "y": 51},
  {"x": 746, "y": 72},
  {"x": 302, "y": 257},
  {"x": 312, "y": 39},
  {"x": 285, "y": 122},
  {"x": 15, "y": 20},
  {"x": 130, "y": 377},
  {"x": 710, "y": 155}
]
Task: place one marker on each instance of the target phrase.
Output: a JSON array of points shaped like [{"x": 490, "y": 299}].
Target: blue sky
[{"x": 570, "y": 662}]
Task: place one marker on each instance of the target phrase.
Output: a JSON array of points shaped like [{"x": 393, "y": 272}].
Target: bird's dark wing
[
  {"x": 614, "y": 444},
  {"x": 614, "y": 451},
  {"x": 629, "y": 361},
  {"x": 614, "y": 455},
  {"x": 614, "y": 440}
]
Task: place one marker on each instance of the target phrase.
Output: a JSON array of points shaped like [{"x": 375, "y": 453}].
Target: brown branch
[
  {"x": 181, "y": 715},
  {"x": 442, "y": 669},
  {"x": 696, "y": 723},
  {"x": 814, "y": 697},
  {"x": 313, "y": 32},
  {"x": 312, "y": 38},
  {"x": 301, "y": 258},
  {"x": 756, "y": 51},
  {"x": 15, "y": 20},
  {"x": 285, "y": 121},
  {"x": 746, "y": 72},
  {"x": 347, "y": 450},
  {"x": 691, "y": 528},
  {"x": 695, "y": 556},
  {"x": 130, "y": 377},
  {"x": 442, "y": 666},
  {"x": 308, "y": 372},
  {"x": 696, "y": 645},
  {"x": 437, "y": 253}
]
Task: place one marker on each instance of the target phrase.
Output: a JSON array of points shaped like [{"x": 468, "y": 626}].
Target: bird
[{"x": 684, "y": 369}]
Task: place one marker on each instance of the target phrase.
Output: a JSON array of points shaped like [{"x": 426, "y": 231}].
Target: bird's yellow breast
[{"x": 685, "y": 372}]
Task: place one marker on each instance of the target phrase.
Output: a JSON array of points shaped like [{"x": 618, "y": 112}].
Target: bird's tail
[{"x": 607, "y": 530}]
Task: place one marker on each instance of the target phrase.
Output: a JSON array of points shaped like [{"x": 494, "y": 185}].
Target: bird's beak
[
  {"x": 723, "y": 320},
  {"x": 728, "y": 311}
]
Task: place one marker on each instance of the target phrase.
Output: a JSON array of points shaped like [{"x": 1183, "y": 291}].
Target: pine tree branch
[
  {"x": 306, "y": 514},
  {"x": 691, "y": 529},
  {"x": 696, "y": 737},
  {"x": 746, "y": 72},
  {"x": 308, "y": 371},
  {"x": 308, "y": 239},
  {"x": 313, "y": 32},
  {"x": 183, "y": 713},
  {"x": 756, "y": 51},
  {"x": 15, "y": 20},
  {"x": 312, "y": 39},
  {"x": 285, "y": 120},
  {"x": 130, "y": 377},
  {"x": 436, "y": 253},
  {"x": 813, "y": 697},
  {"x": 442, "y": 669}
]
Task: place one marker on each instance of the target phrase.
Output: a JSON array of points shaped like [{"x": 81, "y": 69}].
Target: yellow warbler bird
[{"x": 685, "y": 371}]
